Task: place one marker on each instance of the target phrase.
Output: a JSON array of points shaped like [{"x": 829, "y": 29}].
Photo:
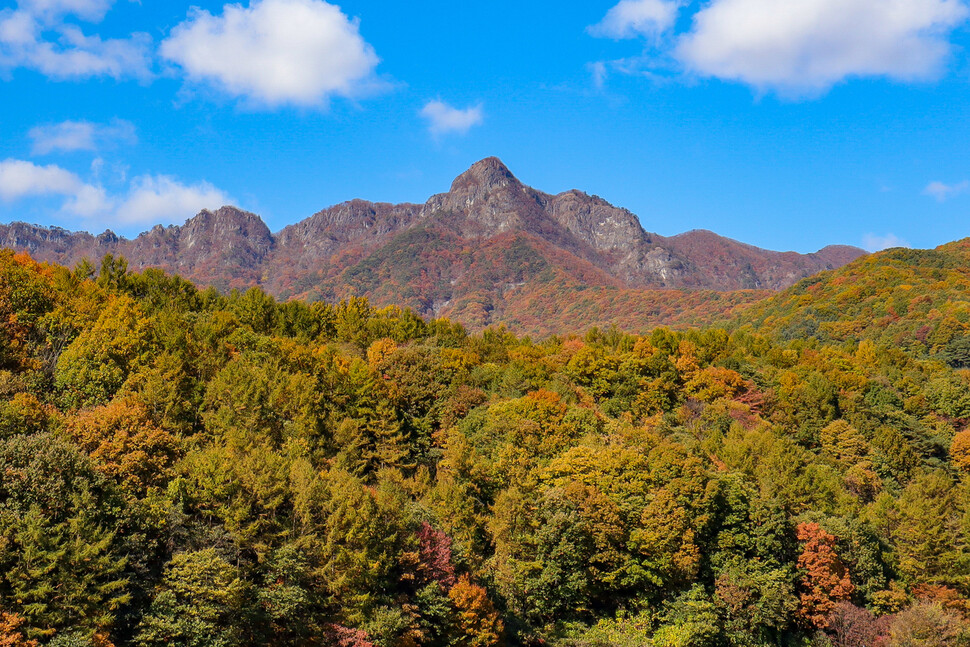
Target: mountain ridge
[{"x": 487, "y": 232}]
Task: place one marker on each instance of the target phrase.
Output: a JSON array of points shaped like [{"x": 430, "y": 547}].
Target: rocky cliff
[{"x": 465, "y": 252}]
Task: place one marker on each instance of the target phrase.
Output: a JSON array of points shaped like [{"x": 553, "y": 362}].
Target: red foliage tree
[
  {"x": 826, "y": 580},
  {"x": 852, "y": 626},
  {"x": 340, "y": 636},
  {"x": 435, "y": 555}
]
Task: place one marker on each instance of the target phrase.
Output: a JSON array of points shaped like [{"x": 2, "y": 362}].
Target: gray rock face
[
  {"x": 326, "y": 232},
  {"x": 234, "y": 248},
  {"x": 488, "y": 200},
  {"x": 617, "y": 233},
  {"x": 228, "y": 236}
]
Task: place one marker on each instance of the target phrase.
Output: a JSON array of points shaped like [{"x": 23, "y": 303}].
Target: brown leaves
[
  {"x": 826, "y": 580},
  {"x": 10, "y": 635},
  {"x": 479, "y": 623},
  {"x": 127, "y": 445}
]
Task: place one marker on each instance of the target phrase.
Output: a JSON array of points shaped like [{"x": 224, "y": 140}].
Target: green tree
[
  {"x": 97, "y": 363},
  {"x": 201, "y": 602},
  {"x": 61, "y": 560}
]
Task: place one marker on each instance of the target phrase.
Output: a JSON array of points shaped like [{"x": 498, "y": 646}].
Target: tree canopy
[{"x": 183, "y": 467}]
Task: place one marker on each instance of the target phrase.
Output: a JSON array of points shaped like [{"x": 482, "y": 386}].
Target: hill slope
[{"x": 913, "y": 299}]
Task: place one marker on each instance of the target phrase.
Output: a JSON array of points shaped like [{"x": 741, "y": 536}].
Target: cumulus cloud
[
  {"x": 877, "y": 243},
  {"x": 275, "y": 52},
  {"x": 69, "y": 136},
  {"x": 804, "y": 47},
  {"x": 443, "y": 118},
  {"x": 157, "y": 199},
  {"x": 89, "y": 201},
  {"x": 633, "y": 18},
  {"x": 20, "y": 179},
  {"x": 149, "y": 199},
  {"x": 943, "y": 192},
  {"x": 35, "y": 36}
]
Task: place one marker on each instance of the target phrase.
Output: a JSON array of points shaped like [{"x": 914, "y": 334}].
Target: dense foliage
[
  {"x": 179, "y": 467},
  {"x": 918, "y": 300},
  {"x": 512, "y": 279}
]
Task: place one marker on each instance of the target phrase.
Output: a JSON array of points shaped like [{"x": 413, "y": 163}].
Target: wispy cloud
[
  {"x": 275, "y": 52},
  {"x": 93, "y": 10},
  {"x": 149, "y": 199},
  {"x": 444, "y": 119},
  {"x": 943, "y": 192},
  {"x": 38, "y": 36},
  {"x": 70, "y": 136},
  {"x": 877, "y": 243},
  {"x": 634, "y": 18}
]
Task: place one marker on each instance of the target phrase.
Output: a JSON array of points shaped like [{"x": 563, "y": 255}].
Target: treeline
[{"x": 180, "y": 467}]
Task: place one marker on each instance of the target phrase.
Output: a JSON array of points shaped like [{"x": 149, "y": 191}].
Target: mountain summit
[
  {"x": 470, "y": 253},
  {"x": 487, "y": 175}
]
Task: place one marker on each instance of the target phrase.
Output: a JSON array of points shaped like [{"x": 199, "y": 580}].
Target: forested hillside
[
  {"x": 180, "y": 467},
  {"x": 918, "y": 300}
]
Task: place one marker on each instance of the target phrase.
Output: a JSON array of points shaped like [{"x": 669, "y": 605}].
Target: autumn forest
[{"x": 180, "y": 466}]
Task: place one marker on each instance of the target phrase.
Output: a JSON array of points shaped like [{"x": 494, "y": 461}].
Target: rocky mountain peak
[
  {"x": 487, "y": 200},
  {"x": 459, "y": 252},
  {"x": 228, "y": 218},
  {"x": 108, "y": 237},
  {"x": 485, "y": 176},
  {"x": 226, "y": 238}
]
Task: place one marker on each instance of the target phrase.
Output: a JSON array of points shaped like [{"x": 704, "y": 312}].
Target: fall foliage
[
  {"x": 826, "y": 581},
  {"x": 184, "y": 467}
]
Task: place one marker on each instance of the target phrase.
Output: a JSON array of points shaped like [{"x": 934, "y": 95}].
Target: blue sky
[{"x": 789, "y": 124}]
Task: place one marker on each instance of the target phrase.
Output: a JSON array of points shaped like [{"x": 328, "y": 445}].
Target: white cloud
[
  {"x": 69, "y": 136},
  {"x": 633, "y": 18},
  {"x": 89, "y": 201},
  {"x": 17, "y": 29},
  {"x": 943, "y": 192},
  {"x": 275, "y": 52},
  {"x": 809, "y": 45},
  {"x": 92, "y": 10},
  {"x": 804, "y": 47},
  {"x": 36, "y": 37},
  {"x": 877, "y": 243},
  {"x": 162, "y": 199},
  {"x": 444, "y": 119},
  {"x": 20, "y": 179},
  {"x": 148, "y": 200}
]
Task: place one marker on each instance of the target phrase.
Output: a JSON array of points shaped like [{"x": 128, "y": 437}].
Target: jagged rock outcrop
[{"x": 465, "y": 251}]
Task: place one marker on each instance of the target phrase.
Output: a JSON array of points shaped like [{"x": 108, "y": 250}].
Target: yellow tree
[
  {"x": 478, "y": 621},
  {"x": 960, "y": 451},
  {"x": 126, "y": 445}
]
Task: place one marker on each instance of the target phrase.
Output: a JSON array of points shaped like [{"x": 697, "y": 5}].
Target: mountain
[
  {"x": 226, "y": 248},
  {"x": 479, "y": 253}
]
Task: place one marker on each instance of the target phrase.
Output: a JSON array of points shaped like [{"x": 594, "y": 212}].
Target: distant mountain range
[{"x": 489, "y": 250}]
